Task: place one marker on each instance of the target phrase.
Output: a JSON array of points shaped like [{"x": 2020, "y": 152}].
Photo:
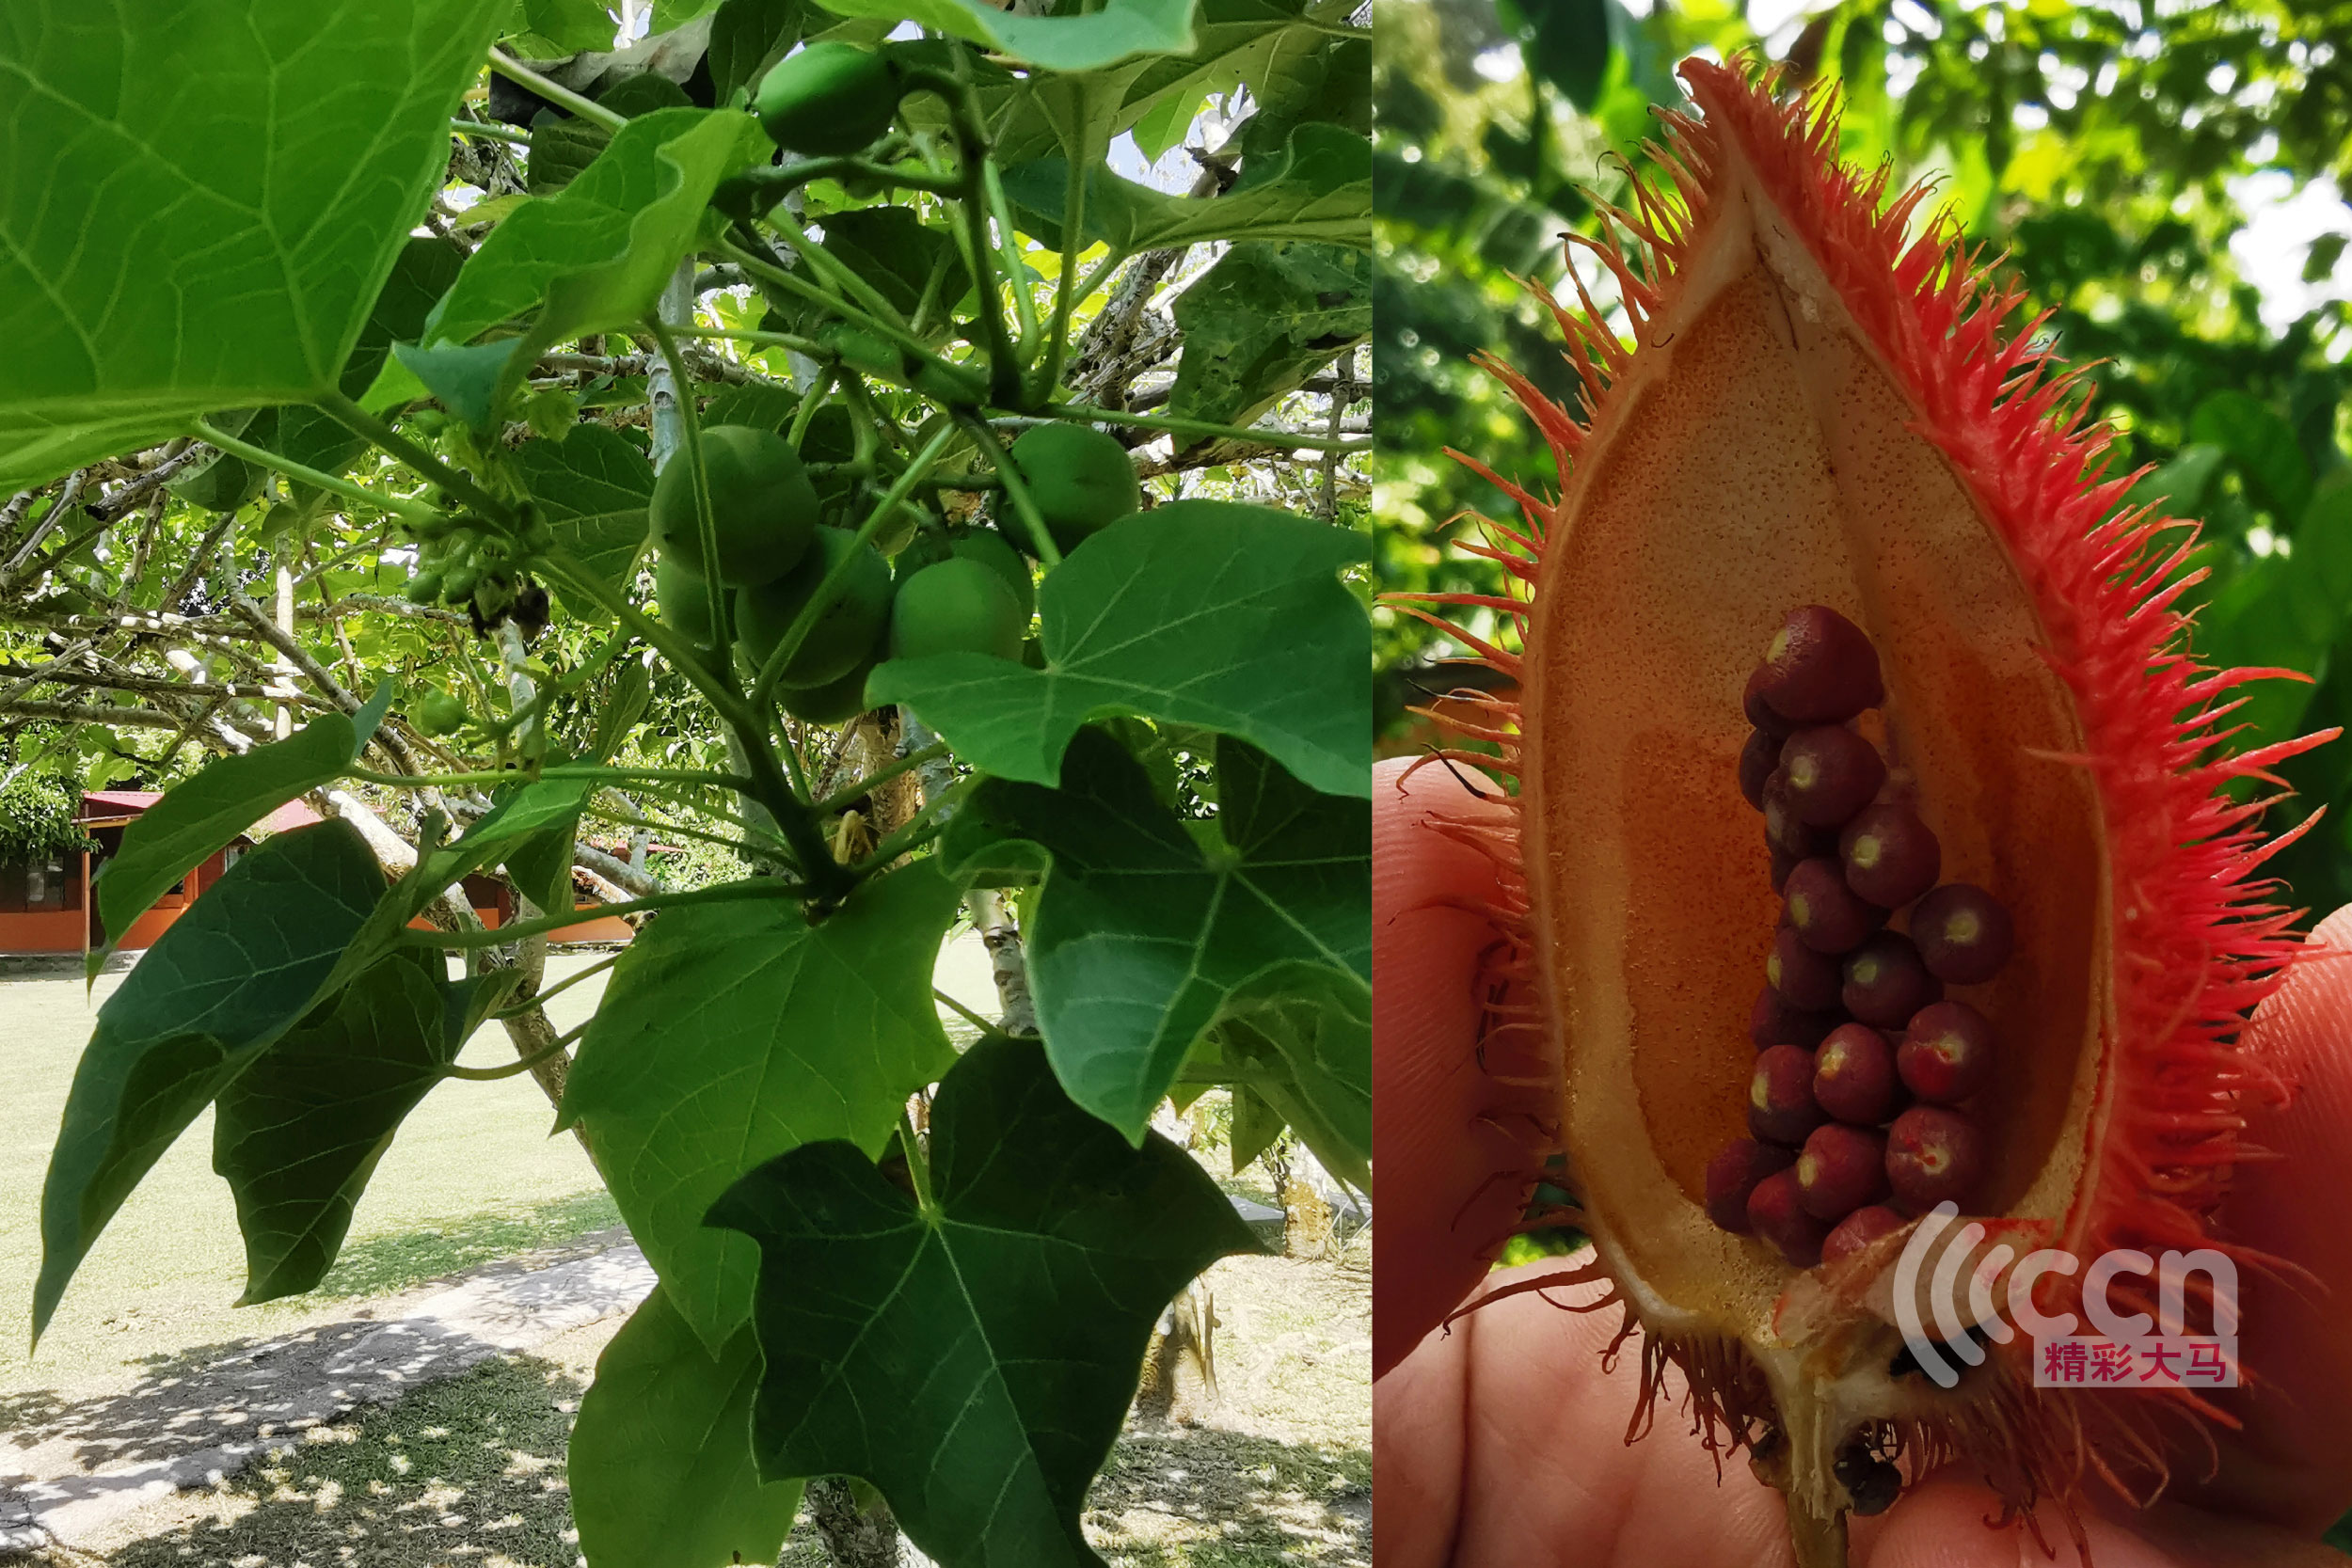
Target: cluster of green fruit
[
  {"x": 463, "y": 562},
  {"x": 966, "y": 593}
]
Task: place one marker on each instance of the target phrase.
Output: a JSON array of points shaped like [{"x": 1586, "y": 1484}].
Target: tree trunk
[{"x": 857, "y": 1536}]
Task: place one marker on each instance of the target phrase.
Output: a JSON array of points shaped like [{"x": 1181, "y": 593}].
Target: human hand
[{"x": 1501, "y": 1441}]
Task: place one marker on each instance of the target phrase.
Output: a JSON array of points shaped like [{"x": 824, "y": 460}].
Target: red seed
[
  {"x": 1933, "y": 1154},
  {"x": 1780, "y": 1095},
  {"x": 1758, "y": 759},
  {"x": 1773, "y": 1021},
  {"x": 1833, "y": 774},
  {"x": 1859, "y": 1230},
  {"x": 1733, "y": 1173},
  {"x": 1785, "y": 829},
  {"x": 1885, "y": 982},
  {"x": 1820, "y": 669},
  {"x": 1963, "y": 932},
  {"x": 1947, "y": 1053},
  {"x": 1804, "y": 978},
  {"x": 1824, "y": 910},
  {"x": 1775, "y": 1215},
  {"x": 1842, "y": 1169},
  {"x": 1853, "y": 1075},
  {"x": 1761, "y": 712},
  {"x": 1891, "y": 857}
]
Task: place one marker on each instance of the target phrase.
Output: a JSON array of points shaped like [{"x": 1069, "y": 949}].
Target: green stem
[
  {"x": 565, "y": 771},
  {"x": 918, "y": 1168},
  {"x": 726, "y": 893},
  {"x": 706, "y": 520},
  {"x": 205, "y": 431},
  {"x": 907, "y": 763},
  {"x": 1089, "y": 413},
  {"x": 774, "y": 183},
  {"x": 680, "y": 829},
  {"x": 829, "y": 877},
  {"x": 359, "y": 422},
  {"x": 497, "y": 132},
  {"x": 972, "y": 199},
  {"x": 811, "y": 400},
  {"x": 517, "y": 1068},
  {"x": 763, "y": 688},
  {"x": 519, "y": 1009},
  {"x": 971, "y": 1017},
  {"x": 1008, "y": 247},
  {"x": 793, "y": 283},
  {"x": 825, "y": 263},
  {"x": 1066, "y": 294},
  {"x": 587, "y": 109},
  {"x": 1041, "y": 537}
]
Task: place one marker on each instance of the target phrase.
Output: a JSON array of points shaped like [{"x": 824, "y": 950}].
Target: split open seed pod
[{"x": 1820, "y": 407}]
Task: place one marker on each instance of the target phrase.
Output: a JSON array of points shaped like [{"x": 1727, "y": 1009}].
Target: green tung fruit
[
  {"x": 440, "y": 713},
  {"x": 989, "y": 548},
  {"x": 1081, "y": 479},
  {"x": 685, "y": 599},
  {"x": 829, "y": 100},
  {"x": 761, "y": 502},
  {"x": 834, "y": 701},
  {"x": 956, "y": 607},
  {"x": 846, "y": 630}
]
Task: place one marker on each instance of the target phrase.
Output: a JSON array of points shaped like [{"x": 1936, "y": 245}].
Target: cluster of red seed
[{"x": 1863, "y": 1064}]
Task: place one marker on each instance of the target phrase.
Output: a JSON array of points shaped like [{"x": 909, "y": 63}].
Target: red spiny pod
[{"x": 1829, "y": 448}]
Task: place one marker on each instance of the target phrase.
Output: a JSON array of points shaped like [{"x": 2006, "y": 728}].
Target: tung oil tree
[{"x": 772, "y": 435}]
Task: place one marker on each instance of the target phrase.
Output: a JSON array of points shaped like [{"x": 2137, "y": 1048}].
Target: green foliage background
[{"x": 2097, "y": 147}]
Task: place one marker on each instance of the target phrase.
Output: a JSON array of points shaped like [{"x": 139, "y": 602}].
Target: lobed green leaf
[
  {"x": 1143, "y": 935},
  {"x": 731, "y": 1033},
  {"x": 1210, "y": 613},
  {"x": 972, "y": 1356}
]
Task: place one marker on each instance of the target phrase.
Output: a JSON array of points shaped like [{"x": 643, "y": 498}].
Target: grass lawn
[{"x": 472, "y": 1175}]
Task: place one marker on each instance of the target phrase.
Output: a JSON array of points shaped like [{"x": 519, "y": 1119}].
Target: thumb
[{"x": 1450, "y": 1177}]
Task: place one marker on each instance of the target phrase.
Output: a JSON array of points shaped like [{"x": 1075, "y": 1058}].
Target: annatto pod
[{"x": 1824, "y": 444}]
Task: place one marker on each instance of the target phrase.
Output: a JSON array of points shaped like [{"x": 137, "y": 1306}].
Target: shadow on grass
[
  {"x": 228, "y": 1392},
  {"x": 551, "y": 1230},
  {"x": 1201, "y": 1498},
  {"x": 466, "y": 1469}
]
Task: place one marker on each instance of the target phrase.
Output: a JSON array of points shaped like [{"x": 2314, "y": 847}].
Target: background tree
[
  {"x": 2107, "y": 154},
  {"x": 340, "y": 485}
]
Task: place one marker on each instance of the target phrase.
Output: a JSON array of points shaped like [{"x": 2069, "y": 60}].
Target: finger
[
  {"x": 2292, "y": 1462},
  {"x": 1502, "y": 1445},
  {"x": 1945, "y": 1523},
  {"x": 1433, "y": 1155}
]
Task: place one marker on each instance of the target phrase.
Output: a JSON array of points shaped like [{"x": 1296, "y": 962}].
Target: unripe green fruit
[
  {"x": 829, "y": 99},
  {"x": 847, "y": 629},
  {"x": 440, "y": 713},
  {"x": 1081, "y": 479},
  {"x": 761, "y": 503},
  {"x": 989, "y": 548},
  {"x": 956, "y": 607},
  {"x": 832, "y": 701},
  {"x": 426, "y": 587},
  {"x": 684, "y": 598}
]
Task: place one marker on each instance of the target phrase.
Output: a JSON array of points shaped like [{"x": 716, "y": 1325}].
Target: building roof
[
  {"x": 115, "y": 802},
  {"x": 114, "y": 805}
]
